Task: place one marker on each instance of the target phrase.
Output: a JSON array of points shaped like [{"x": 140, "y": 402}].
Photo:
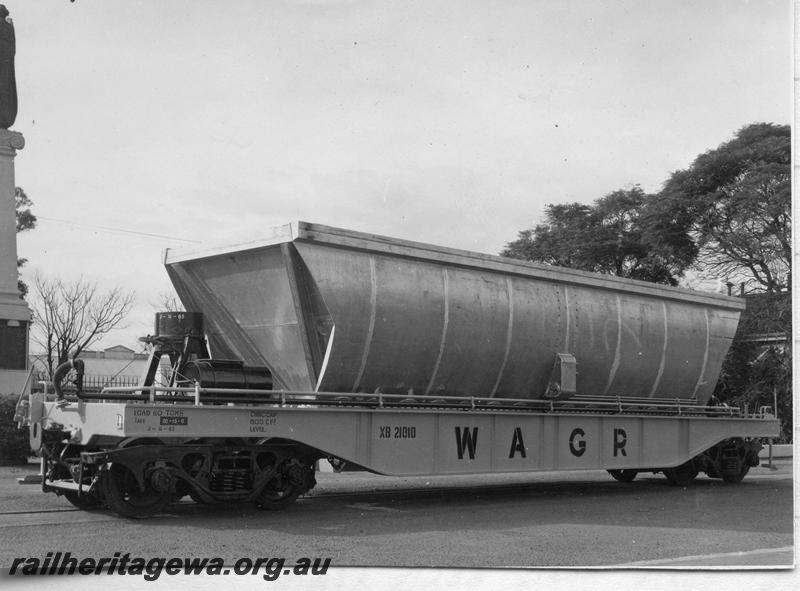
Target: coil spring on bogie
[
  {"x": 230, "y": 481},
  {"x": 231, "y": 473}
]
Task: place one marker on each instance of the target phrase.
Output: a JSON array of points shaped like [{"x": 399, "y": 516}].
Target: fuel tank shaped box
[{"x": 333, "y": 310}]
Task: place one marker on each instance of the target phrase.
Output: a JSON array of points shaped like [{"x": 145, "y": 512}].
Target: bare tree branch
[
  {"x": 169, "y": 302},
  {"x": 70, "y": 317}
]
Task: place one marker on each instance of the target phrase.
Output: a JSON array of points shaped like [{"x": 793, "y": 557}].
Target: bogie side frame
[{"x": 136, "y": 450}]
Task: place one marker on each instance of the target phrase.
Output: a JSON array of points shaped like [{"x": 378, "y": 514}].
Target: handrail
[{"x": 199, "y": 395}]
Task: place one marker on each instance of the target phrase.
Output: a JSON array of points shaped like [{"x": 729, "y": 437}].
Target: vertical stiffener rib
[{"x": 344, "y": 311}]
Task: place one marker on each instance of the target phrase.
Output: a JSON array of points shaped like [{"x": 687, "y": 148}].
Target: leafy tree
[
  {"x": 70, "y": 317},
  {"x": 734, "y": 204},
  {"x": 759, "y": 363},
  {"x": 618, "y": 235},
  {"x": 729, "y": 216},
  {"x": 25, "y": 221},
  {"x": 553, "y": 242},
  {"x": 729, "y": 213}
]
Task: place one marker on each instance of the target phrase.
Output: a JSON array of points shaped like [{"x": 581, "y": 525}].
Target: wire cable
[{"x": 120, "y": 230}]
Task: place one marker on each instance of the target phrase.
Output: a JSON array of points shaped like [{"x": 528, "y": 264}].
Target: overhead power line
[{"x": 119, "y": 230}]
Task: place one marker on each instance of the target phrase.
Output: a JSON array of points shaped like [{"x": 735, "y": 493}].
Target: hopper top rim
[{"x": 308, "y": 232}]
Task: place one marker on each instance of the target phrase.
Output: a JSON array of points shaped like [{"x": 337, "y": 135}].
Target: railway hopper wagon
[{"x": 317, "y": 343}]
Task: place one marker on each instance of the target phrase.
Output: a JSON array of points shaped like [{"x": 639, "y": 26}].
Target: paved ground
[{"x": 538, "y": 520}]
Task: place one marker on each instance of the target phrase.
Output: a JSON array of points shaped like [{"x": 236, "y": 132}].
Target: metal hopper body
[{"x": 332, "y": 310}]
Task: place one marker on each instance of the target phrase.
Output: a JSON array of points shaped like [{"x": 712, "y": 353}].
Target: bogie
[{"x": 143, "y": 478}]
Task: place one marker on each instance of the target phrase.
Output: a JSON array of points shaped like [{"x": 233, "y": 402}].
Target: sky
[{"x": 152, "y": 124}]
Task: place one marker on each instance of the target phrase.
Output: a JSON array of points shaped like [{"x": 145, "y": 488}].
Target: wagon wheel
[
  {"x": 681, "y": 475},
  {"x": 84, "y": 501},
  {"x": 278, "y": 494},
  {"x": 123, "y": 495},
  {"x": 291, "y": 481},
  {"x": 623, "y": 475}
]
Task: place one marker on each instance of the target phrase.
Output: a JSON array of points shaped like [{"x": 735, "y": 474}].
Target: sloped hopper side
[
  {"x": 337, "y": 311},
  {"x": 255, "y": 310}
]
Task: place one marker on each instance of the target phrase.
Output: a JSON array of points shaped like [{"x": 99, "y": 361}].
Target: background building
[{"x": 114, "y": 366}]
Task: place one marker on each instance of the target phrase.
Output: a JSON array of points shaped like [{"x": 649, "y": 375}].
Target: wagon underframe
[{"x": 137, "y": 455}]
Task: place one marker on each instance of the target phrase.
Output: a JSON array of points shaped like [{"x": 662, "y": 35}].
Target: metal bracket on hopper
[{"x": 562, "y": 378}]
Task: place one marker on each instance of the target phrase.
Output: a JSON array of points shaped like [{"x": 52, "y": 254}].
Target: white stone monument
[{"x": 15, "y": 316}]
